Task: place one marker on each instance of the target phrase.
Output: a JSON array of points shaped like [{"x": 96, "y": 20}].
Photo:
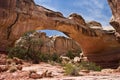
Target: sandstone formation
[
  {"x": 115, "y": 20},
  {"x": 20, "y": 16},
  {"x": 94, "y": 25},
  {"x": 54, "y": 44}
]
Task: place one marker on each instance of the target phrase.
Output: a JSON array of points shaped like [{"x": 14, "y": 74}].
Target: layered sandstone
[
  {"x": 54, "y": 44},
  {"x": 20, "y": 16}
]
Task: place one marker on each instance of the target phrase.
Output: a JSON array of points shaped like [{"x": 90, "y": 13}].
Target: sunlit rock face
[
  {"x": 63, "y": 45},
  {"x": 94, "y": 25},
  {"x": 7, "y": 18},
  {"x": 20, "y": 16},
  {"x": 55, "y": 44}
]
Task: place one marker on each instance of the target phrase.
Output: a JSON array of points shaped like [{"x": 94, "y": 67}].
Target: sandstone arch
[{"x": 20, "y": 16}]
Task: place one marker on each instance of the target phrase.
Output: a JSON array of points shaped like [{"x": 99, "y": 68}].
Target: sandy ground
[{"x": 57, "y": 73}]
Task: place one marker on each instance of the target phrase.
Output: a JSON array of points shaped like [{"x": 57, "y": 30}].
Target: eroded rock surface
[
  {"x": 54, "y": 44},
  {"x": 115, "y": 20},
  {"x": 20, "y": 16}
]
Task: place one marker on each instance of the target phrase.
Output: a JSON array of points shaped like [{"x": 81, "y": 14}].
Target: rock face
[
  {"x": 55, "y": 44},
  {"x": 94, "y": 25},
  {"x": 20, "y": 16},
  {"x": 115, "y": 20}
]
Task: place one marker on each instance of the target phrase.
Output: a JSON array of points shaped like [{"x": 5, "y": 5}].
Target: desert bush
[
  {"x": 22, "y": 53},
  {"x": 33, "y": 55},
  {"x": 27, "y": 47},
  {"x": 17, "y": 52},
  {"x": 45, "y": 57},
  {"x": 71, "y": 54},
  {"x": 74, "y": 68},
  {"x": 71, "y": 69},
  {"x": 55, "y": 57},
  {"x": 89, "y": 66}
]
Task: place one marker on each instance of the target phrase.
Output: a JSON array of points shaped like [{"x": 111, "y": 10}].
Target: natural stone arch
[{"x": 20, "y": 16}]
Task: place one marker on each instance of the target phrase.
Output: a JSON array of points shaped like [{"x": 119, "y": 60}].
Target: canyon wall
[
  {"x": 55, "y": 44},
  {"x": 98, "y": 45}
]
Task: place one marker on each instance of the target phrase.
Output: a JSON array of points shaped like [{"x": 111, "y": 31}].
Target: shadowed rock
[{"x": 115, "y": 20}]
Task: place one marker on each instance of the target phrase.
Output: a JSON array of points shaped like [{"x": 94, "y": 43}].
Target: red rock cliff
[{"x": 20, "y": 16}]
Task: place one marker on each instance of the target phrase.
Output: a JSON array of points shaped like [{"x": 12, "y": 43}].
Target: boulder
[
  {"x": 76, "y": 59},
  {"x": 35, "y": 76}
]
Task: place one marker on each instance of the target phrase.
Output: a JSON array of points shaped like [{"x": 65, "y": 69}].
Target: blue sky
[{"x": 97, "y": 10}]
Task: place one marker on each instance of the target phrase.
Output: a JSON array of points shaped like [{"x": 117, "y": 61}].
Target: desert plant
[
  {"x": 71, "y": 54},
  {"x": 71, "y": 69},
  {"x": 28, "y": 33},
  {"x": 89, "y": 66},
  {"x": 55, "y": 57},
  {"x": 78, "y": 52},
  {"x": 44, "y": 57},
  {"x": 74, "y": 68},
  {"x": 27, "y": 48},
  {"x": 16, "y": 52}
]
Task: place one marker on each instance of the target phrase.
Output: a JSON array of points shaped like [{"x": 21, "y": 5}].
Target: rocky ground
[{"x": 16, "y": 69}]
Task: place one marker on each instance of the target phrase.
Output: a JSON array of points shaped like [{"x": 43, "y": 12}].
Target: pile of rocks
[
  {"x": 35, "y": 75},
  {"x": 76, "y": 59},
  {"x": 11, "y": 65}
]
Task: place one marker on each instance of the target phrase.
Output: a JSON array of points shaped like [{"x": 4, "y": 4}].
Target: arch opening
[{"x": 52, "y": 41}]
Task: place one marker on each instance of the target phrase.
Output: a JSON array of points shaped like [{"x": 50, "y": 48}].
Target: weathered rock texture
[
  {"x": 115, "y": 20},
  {"x": 55, "y": 44},
  {"x": 20, "y": 16}
]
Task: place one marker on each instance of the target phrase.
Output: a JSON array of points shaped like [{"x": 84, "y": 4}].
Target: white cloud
[
  {"x": 92, "y": 10},
  {"x": 89, "y": 9},
  {"x": 99, "y": 3},
  {"x": 89, "y": 3}
]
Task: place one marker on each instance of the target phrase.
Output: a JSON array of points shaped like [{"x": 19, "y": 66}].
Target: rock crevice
[{"x": 9, "y": 29}]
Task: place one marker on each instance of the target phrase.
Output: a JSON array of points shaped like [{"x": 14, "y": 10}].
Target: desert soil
[{"x": 57, "y": 73}]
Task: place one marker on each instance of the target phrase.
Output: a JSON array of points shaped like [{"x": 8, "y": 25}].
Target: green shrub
[
  {"x": 71, "y": 54},
  {"x": 78, "y": 52},
  {"x": 23, "y": 54},
  {"x": 55, "y": 57},
  {"x": 44, "y": 57},
  {"x": 28, "y": 33},
  {"x": 89, "y": 66},
  {"x": 74, "y": 68},
  {"x": 34, "y": 56},
  {"x": 71, "y": 69},
  {"x": 27, "y": 48},
  {"x": 16, "y": 52}
]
